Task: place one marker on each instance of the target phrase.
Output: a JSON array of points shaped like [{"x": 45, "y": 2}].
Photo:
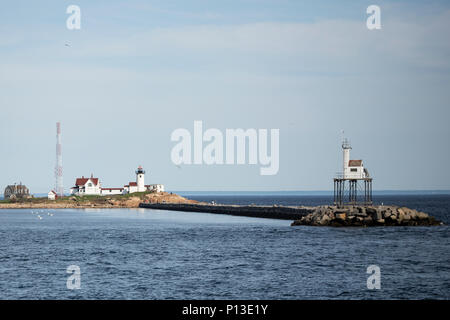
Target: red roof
[
  {"x": 52, "y": 192},
  {"x": 355, "y": 163},
  {"x": 133, "y": 184},
  {"x": 82, "y": 181}
]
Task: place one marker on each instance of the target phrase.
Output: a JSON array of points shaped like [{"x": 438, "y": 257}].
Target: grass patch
[{"x": 82, "y": 199}]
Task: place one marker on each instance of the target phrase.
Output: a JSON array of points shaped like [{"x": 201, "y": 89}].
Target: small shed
[{"x": 52, "y": 195}]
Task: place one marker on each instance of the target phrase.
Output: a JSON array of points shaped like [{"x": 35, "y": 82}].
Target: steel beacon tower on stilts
[
  {"x": 353, "y": 185},
  {"x": 59, "y": 188}
]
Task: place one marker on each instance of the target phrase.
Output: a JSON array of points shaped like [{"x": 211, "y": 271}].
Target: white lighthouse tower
[
  {"x": 140, "y": 176},
  {"x": 346, "y": 155}
]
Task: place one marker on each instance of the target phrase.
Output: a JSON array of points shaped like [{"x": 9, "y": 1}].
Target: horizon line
[{"x": 327, "y": 192}]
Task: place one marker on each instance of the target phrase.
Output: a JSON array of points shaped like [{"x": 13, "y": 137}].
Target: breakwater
[
  {"x": 348, "y": 216},
  {"x": 255, "y": 211},
  {"x": 366, "y": 216}
]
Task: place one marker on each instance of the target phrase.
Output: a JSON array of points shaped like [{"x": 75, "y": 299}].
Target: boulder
[
  {"x": 371, "y": 210},
  {"x": 341, "y": 216},
  {"x": 368, "y": 220},
  {"x": 378, "y": 214},
  {"x": 325, "y": 220},
  {"x": 386, "y": 213},
  {"x": 422, "y": 215},
  {"x": 401, "y": 214}
]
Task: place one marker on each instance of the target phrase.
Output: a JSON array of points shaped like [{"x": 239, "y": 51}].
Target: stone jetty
[
  {"x": 366, "y": 216},
  {"x": 255, "y": 211}
]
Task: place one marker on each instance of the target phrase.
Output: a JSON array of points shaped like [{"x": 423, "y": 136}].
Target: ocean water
[{"x": 153, "y": 254}]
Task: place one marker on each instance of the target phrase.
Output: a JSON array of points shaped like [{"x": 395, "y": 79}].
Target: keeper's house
[{"x": 92, "y": 186}]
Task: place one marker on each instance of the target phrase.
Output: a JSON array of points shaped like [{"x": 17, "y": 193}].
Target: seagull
[
  {"x": 67, "y": 45},
  {"x": 39, "y": 217}
]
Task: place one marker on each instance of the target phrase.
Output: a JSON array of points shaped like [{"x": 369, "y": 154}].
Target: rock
[
  {"x": 386, "y": 213},
  {"x": 422, "y": 215},
  {"x": 401, "y": 214},
  {"x": 378, "y": 214},
  {"x": 325, "y": 220},
  {"x": 361, "y": 213},
  {"x": 413, "y": 214},
  {"x": 341, "y": 216},
  {"x": 368, "y": 220}
]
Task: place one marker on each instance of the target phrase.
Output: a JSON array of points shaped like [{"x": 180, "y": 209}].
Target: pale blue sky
[{"x": 137, "y": 70}]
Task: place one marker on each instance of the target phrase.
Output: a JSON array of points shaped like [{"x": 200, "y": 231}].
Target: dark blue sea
[{"x": 152, "y": 254}]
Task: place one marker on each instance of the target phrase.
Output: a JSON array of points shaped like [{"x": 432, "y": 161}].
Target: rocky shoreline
[
  {"x": 100, "y": 202},
  {"x": 366, "y": 216}
]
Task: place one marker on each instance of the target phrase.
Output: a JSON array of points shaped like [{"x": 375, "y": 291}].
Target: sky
[{"x": 138, "y": 70}]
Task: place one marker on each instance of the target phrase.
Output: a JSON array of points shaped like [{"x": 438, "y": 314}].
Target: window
[
  {"x": 89, "y": 184},
  {"x": 353, "y": 170}
]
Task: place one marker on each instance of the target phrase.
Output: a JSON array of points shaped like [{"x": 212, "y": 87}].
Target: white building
[
  {"x": 86, "y": 186},
  {"x": 352, "y": 169},
  {"x": 155, "y": 187},
  {"x": 92, "y": 186},
  {"x": 51, "y": 195},
  {"x": 112, "y": 191},
  {"x": 131, "y": 187}
]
